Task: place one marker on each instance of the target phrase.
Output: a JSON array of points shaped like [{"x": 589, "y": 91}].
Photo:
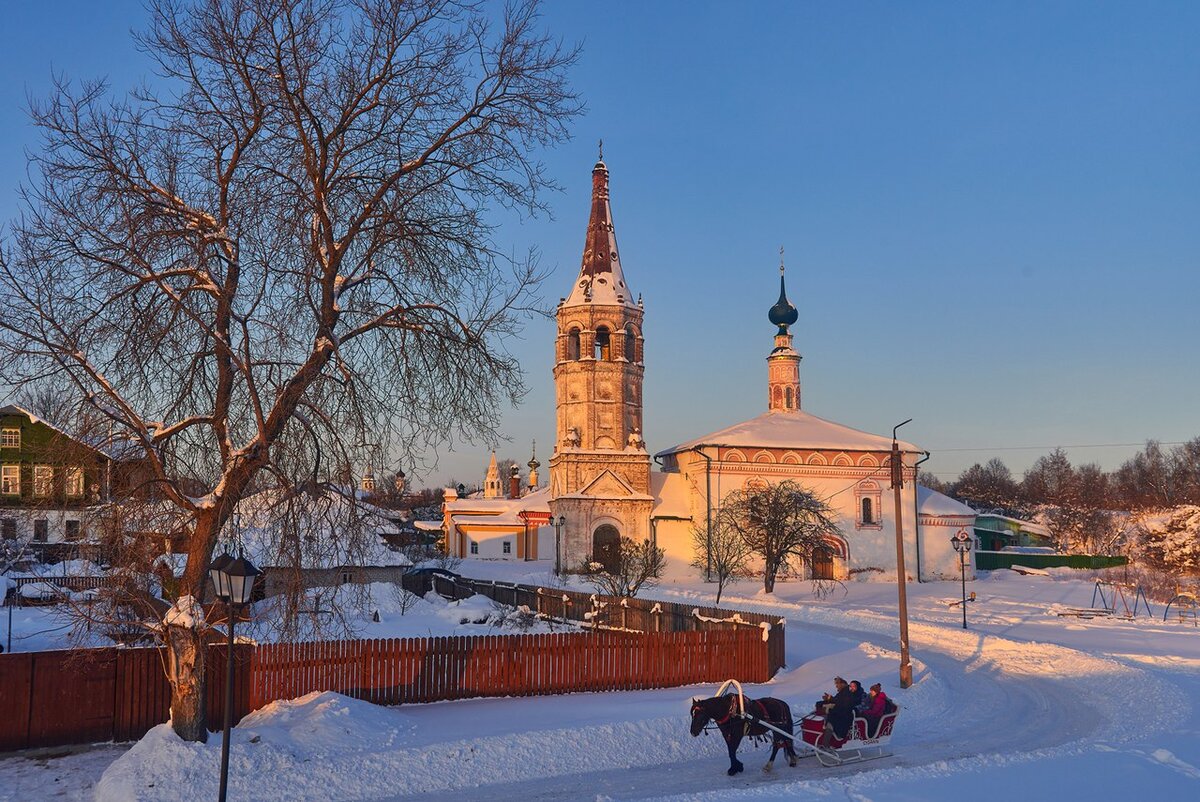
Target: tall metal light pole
[
  {"x": 559, "y": 523},
  {"x": 233, "y": 581},
  {"x": 906, "y": 676},
  {"x": 962, "y": 544}
]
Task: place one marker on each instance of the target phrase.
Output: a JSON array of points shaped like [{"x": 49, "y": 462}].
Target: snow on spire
[{"x": 601, "y": 279}]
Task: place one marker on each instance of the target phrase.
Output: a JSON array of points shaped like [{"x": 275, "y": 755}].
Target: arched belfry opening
[{"x": 603, "y": 344}]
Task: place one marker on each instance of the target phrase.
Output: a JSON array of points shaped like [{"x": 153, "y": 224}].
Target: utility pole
[{"x": 906, "y": 675}]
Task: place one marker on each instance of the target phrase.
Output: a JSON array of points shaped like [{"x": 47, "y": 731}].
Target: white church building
[{"x": 601, "y": 486}]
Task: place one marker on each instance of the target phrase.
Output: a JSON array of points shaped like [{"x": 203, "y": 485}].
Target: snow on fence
[
  {"x": 622, "y": 614},
  {"x": 433, "y": 669}
]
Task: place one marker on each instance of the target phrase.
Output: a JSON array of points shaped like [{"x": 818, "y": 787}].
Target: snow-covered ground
[
  {"x": 400, "y": 616},
  {"x": 1024, "y": 704}
]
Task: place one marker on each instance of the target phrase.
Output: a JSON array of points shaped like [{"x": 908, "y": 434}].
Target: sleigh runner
[{"x": 858, "y": 745}]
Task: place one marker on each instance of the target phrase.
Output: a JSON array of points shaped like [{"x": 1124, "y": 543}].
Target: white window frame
[
  {"x": 507, "y": 547},
  {"x": 474, "y": 549},
  {"x": 44, "y": 525},
  {"x": 43, "y": 481},
  {"x": 10, "y": 480},
  {"x": 10, "y": 437},
  {"x": 73, "y": 481}
]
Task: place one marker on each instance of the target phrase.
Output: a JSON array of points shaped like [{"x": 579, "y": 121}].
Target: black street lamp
[
  {"x": 559, "y": 523},
  {"x": 962, "y": 544},
  {"x": 233, "y": 581}
]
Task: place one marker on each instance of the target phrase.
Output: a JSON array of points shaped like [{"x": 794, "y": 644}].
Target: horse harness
[{"x": 749, "y": 718}]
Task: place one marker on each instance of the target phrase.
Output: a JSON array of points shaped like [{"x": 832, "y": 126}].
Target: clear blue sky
[{"x": 991, "y": 210}]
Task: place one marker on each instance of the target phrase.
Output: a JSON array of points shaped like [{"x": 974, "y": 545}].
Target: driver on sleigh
[{"x": 838, "y": 711}]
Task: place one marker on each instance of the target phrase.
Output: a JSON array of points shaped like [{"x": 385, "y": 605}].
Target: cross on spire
[
  {"x": 781, "y": 260},
  {"x": 601, "y": 150}
]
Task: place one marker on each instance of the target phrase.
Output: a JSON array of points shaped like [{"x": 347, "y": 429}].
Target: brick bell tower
[
  {"x": 783, "y": 365},
  {"x": 600, "y": 470}
]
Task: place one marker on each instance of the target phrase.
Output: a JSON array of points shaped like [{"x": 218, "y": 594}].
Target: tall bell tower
[
  {"x": 600, "y": 470},
  {"x": 783, "y": 365}
]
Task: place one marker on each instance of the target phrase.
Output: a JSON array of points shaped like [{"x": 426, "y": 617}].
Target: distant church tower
[
  {"x": 491, "y": 482},
  {"x": 783, "y": 365},
  {"x": 600, "y": 471}
]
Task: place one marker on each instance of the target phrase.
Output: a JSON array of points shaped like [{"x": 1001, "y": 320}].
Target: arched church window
[
  {"x": 787, "y": 397},
  {"x": 868, "y": 511},
  {"x": 630, "y": 344},
  {"x": 603, "y": 344},
  {"x": 606, "y": 547},
  {"x": 573, "y": 344}
]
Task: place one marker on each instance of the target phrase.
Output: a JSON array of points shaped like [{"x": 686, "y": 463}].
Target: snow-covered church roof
[
  {"x": 932, "y": 503},
  {"x": 792, "y": 429}
]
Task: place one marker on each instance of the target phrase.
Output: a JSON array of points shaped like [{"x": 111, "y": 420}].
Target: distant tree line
[{"x": 1079, "y": 502}]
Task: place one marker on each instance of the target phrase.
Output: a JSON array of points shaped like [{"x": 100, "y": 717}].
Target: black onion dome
[{"x": 783, "y": 314}]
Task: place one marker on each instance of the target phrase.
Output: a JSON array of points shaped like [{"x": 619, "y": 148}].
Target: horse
[{"x": 723, "y": 710}]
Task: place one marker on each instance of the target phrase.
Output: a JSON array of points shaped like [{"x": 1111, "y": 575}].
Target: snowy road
[{"x": 980, "y": 698}]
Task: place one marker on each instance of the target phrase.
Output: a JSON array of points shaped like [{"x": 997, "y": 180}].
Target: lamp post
[
  {"x": 559, "y": 523},
  {"x": 901, "y": 580},
  {"x": 233, "y": 582},
  {"x": 962, "y": 544}
]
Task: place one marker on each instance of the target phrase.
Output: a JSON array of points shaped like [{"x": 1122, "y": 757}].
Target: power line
[{"x": 937, "y": 451}]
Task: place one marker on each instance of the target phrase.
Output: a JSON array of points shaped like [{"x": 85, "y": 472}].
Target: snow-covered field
[{"x": 1025, "y": 704}]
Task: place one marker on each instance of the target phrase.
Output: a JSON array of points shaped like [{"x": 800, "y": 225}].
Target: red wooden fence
[
  {"x": 431, "y": 669},
  {"x": 61, "y": 697}
]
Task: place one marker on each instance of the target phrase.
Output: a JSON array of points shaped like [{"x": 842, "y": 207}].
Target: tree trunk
[
  {"x": 769, "y": 572},
  {"x": 185, "y": 670}
]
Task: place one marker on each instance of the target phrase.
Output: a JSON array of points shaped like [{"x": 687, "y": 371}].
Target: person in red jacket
[{"x": 880, "y": 705}]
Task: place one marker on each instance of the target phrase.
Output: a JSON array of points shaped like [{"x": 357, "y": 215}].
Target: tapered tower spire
[{"x": 601, "y": 279}]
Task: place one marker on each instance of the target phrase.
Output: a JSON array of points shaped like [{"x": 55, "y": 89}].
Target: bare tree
[
  {"x": 781, "y": 523},
  {"x": 638, "y": 565},
  {"x": 280, "y": 250},
  {"x": 725, "y": 552}
]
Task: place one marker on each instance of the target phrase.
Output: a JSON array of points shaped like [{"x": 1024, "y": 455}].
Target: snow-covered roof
[
  {"x": 117, "y": 449},
  {"x": 537, "y": 501},
  {"x": 1028, "y": 526},
  {"x": 931, "y": 502},
  {"x": 336, "y": 531},
  {"x": 428, "y": 526},
  {"x": 792, "y": 429},
  {"x": 670, "y": 491}
]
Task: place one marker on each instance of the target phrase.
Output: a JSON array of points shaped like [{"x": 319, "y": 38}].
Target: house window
[
  {"x": 73, "y": 483},
  {"x": 10, "y": 438},
  {"x": 508, "y": 547},
  {"x": 10, "y": 480},
  {"x": 43, "y": 480},
  {"x": 868, "y": 511},
  {"x": 41, "y": 530},
  {"x": 8, "y": 528},
  {"x": 347, "y": 577},
  {"x": 72, "y": 530},
  {"x": 474, "y": 547}
]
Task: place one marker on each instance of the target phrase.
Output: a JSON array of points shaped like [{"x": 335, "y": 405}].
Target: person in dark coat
[
  {"x": 839, "y": 712},
  {"x": 861, "y": 700},
  {"x": 877, "y": 710}
]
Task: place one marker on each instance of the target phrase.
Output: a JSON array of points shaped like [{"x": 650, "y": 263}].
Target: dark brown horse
[{"x": 734, "y": 725}]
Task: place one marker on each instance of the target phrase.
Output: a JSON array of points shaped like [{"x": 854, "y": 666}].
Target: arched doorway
[
  {"x": 822, "y": 564},
  {"x": 606, "y": 547}
]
